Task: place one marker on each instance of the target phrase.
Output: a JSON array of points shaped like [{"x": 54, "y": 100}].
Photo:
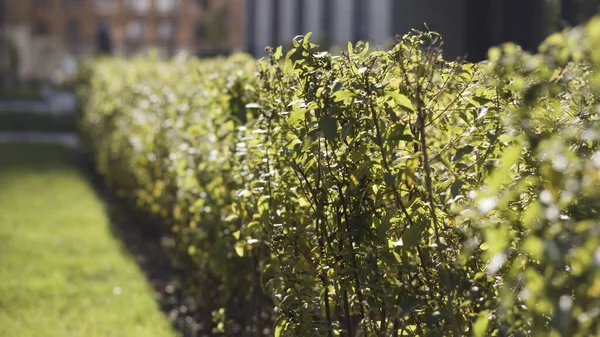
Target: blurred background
[
  {"x": 61, "y": 240},
  {"x": 42, "y": 40}
]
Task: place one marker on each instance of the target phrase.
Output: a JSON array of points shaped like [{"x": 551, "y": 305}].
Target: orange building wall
[{"x": 57, "y": 13}]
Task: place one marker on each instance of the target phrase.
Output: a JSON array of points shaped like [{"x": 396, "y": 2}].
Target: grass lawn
[{"x": 62, "y": 273}]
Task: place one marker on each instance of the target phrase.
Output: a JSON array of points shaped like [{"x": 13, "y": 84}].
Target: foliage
[{"x": 372, "y": 193}]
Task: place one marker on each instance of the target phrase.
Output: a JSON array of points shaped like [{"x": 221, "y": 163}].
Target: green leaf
[
  {"x": 502, "y": 174},
  {"x": 239, "y": 249},
  {"x": 494, "y": 53},
  {"x": 461, "y": 152},
  {"x": 397, "y": 133},
  {"x": 389, "y": 179},
  {"x": 231, "y": 218},
  {"x": 278, "y": 53},
  {"x": 481, "y": 324},
  {"x": 481, "y": 100},
  {"x": 340, "y": 95},
  {"x": 456, "y": 186},
  {"x": 296, "y": 41},
  {"x": 328, "y": 125},
  {"x": 401, "y": 100},
  {"x": 346, "y": 129},
  {"x": 296, "y": 116},
  {"x": 307, "y": 37},
  {"x": 263, "y": 203},
  {"x": 534, "y": 246},
  {"x": 411, "y": 237},
  {"x": 278, "y": 330},
  {"x": 321, "y": 54}
]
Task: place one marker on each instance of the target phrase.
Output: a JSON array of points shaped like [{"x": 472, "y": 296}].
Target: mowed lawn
[{"x": 62, "y": 273}]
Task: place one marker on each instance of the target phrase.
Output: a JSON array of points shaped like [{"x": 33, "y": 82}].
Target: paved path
[
  {"x": 70, "y": 139},
  {"x": 55, "y": 102}
]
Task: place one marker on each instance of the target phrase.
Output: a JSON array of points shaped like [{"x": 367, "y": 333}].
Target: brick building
[{"x": 45, "y": 30}]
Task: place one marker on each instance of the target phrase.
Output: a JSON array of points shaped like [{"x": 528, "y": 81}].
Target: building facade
[
  {"x": 46, "y": 31},
  {"x": 468, "y": 27}
]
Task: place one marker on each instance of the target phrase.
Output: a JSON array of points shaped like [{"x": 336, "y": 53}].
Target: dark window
[
  {"x": 166, "y": 30},
  {"x": 73, "y": 3},
  {"x": 138, "y": 6},
  {"x": 108, "y": 6},
  {"x": 135, "y": 30},
  {"x": 200, "y": 31},
  {"x": 104, "y": 39},
  {"x": 43, "y": 4},
  {"x": 204, "y": 4},
  {"x": 41, "y": 28},
  {"x": 73, "y": 30},
  {"x": 166, "y": 6}
]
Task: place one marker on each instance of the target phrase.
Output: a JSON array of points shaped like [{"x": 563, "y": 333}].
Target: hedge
[{"x": 371, "y": 193}]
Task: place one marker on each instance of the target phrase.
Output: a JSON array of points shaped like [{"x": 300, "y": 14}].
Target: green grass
[
  {"x": 23, "y": 91},
  {"x": 61, "y": 269}
]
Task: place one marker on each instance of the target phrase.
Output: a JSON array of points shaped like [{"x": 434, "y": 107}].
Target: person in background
[{"x": 104, "y": 40}]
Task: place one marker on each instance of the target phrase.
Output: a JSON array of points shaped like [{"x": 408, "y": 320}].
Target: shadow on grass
[
  {"x": 139, "y": 238},
  {"x": 143, "y": 239}
]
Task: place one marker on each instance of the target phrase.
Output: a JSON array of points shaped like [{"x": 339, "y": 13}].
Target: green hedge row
[{"x": 372, "y": 193}]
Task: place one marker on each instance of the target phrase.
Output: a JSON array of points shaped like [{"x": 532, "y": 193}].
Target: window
[
  {"x": 106, "y": 6},
  {"x": 166, "y": 6},
  {"x": 73, "y": 30},
  {"x": 203, "y": 6},
  {"x": 41, "y": 28},
  {"x": 73, "y": 3},
  {"x": 138, "y": 6},
  {"x": 135, "y": 30},
  {"x": 43, "y": 4},
  {"x": 104, "y": 39},
  {"x": 200, "y": 31},
  {"x": 165, "y": 30}
]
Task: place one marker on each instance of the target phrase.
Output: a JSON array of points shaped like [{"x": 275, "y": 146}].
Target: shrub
[{"x": 377, "y": 193}]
